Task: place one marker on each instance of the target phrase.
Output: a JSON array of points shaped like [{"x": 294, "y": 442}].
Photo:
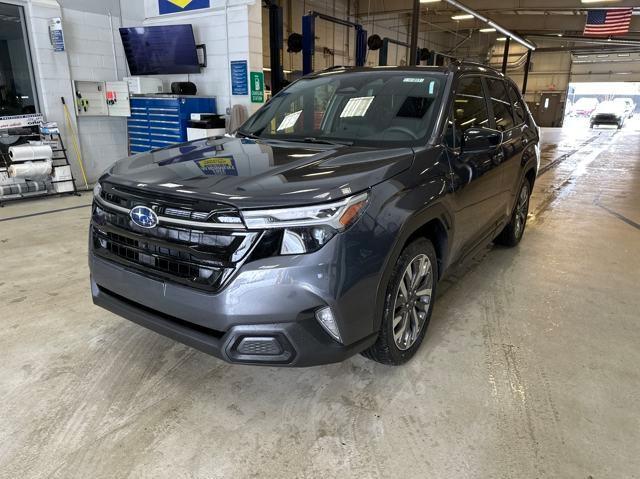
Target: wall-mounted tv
[{"x": 160, "y": 50}]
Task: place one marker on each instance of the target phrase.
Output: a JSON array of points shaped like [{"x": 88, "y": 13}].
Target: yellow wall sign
[{"x": 176, "y": 6}]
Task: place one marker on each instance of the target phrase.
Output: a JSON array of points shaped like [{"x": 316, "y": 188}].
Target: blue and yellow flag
[{"x": 175, "y": 6}]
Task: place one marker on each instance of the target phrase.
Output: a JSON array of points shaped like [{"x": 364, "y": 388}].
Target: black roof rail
[
  {"x": 459, "y": 63},
  {"x": 337, "y": 67}
]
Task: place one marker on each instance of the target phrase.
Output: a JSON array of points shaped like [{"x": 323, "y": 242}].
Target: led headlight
[
  {"x": 308, "y": 228},
  {"x": 97, "y": 189}
]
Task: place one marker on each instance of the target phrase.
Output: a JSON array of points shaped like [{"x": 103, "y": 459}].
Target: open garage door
[{"x": 603, "y": 105}]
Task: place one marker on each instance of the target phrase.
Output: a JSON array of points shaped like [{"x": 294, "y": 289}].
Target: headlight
[
  {"x": 308, "y": 228},
  {"x": 97, "y": 189}
]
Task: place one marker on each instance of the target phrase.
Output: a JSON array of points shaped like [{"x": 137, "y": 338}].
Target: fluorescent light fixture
[
  {"x": 559, "y": 34},
  {"x": 429, "y": 1},
  {"x": 598, "y": 1},
  {"x": 501, "y": 39},
  {"x": 487, "y": 30},
  {"x": 462, "y": 17},
  {"x": 491, "y": 23}
]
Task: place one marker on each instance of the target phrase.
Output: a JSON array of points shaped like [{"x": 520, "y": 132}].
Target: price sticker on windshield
[
  {"x": 356, "y": 106},
  {"x": 289, "y": 120}
]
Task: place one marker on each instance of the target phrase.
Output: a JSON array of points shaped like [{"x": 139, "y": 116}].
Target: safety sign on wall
[
  {"x": 177, "y": 6},
  {"x": 257, "y": 87},
  {"x": 239, "y": 77},
  {"x": 55, "y": 34}
]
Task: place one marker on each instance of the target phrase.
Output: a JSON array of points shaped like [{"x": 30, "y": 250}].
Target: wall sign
[
  {"x": 55, "y": 34},
  {"x": 257, "y": 87},
  {"x": 177, "y": 6},
  {"x": 239, "y": 78}
]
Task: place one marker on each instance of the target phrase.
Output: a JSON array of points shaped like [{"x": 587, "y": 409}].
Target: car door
[
  {"x": 474, "y": 156},
  {"x": 513, "y": 140},
  {"x": 527, "y": 134}
]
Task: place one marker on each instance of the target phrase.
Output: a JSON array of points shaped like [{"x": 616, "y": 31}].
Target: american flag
[{"x": 613, "y": 21}]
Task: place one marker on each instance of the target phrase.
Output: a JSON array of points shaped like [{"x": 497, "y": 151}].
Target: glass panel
[
  {"x": 376, "y": 108},
  {"x": 518, "y": 109},
  {"x": 501, "y": 105},
  {"x": 17, "y": 91},
  {"x": 470, "y": 106}
]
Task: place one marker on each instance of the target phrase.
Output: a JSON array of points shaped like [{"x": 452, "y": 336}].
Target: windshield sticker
[
  {"x": 218, "y": 166},
  {"x": 357, "y": 106},
  {"x": 289, "y": 120},
  {"x": 413, "y": 80}
]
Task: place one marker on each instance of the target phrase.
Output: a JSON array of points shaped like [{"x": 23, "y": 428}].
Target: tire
[
  {"x": 395, "y": 345},
  {"x": 512, "y": 233}
]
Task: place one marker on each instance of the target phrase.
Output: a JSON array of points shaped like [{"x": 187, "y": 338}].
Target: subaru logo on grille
[{"x": 144, "y": 217}]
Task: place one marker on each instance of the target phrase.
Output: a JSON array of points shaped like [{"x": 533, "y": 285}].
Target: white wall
[
  {"x": 231, "y": 31},
  {"x": 89, "y": 55}
]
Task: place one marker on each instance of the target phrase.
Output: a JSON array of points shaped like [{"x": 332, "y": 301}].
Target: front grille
[
  {"x": 202, "y": 258},
  {"x": 171, "y": 206}
]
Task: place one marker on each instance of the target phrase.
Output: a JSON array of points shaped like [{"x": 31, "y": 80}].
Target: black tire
[
  {"x": 386, "y": 350},
  {"x": 512, "y": 233}
]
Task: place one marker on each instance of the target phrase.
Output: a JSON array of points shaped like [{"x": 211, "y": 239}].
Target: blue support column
[
  {"x": 308, "y": 43},
  {"x": 361, "y": 46}
]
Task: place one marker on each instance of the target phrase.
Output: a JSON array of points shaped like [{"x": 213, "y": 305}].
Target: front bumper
[{"x": 265, "y": 315}]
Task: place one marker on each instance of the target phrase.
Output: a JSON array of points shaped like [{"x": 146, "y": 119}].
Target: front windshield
[{"x": 372, "y": 108}]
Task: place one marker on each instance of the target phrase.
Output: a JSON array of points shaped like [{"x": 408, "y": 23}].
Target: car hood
[{"x": 251, "y": 173}]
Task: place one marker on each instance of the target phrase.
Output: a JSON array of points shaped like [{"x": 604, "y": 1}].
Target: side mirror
[{"x": 481, "y": 139}]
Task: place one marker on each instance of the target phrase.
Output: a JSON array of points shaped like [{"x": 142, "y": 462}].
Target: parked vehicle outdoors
[
  {"x": 584, "y": 106},
  {"x": 609, "y": 113},
  {"x": 323, "y": 228},
  {"x": 628, "y": 105}
]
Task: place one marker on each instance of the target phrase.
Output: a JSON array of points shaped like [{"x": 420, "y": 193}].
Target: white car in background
[{"x": 609, "y": 113}]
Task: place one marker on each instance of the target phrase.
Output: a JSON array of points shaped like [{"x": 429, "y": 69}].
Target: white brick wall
[
  {"x": 244, "y": 20},
  {"x": 89, "y": 56}
]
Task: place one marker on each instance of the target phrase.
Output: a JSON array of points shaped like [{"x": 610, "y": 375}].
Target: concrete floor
[{"x": 529, "y": 369}]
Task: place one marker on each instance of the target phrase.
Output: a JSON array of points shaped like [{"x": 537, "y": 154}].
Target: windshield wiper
[
  {"x": 246, "y": 134},
  {"x": 322, "y": 141}
]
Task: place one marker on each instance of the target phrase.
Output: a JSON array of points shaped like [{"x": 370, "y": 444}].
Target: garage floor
[{"x": 529, "y": 369}]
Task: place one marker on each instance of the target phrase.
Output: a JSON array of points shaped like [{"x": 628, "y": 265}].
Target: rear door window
[
  {"x": 518, "y": 108},
  {"x": 501, "y": 104}
]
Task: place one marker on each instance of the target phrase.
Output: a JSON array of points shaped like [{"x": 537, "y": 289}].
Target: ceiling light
[
  {"x": 462, "y": 17},
  {"x": 487, "y": 30},
  {"x": 559, "y": 34},
  {"x": 501, "y": 39},
  {"x": 599, "y": 1},
  {"x": 429, "y": 1}
]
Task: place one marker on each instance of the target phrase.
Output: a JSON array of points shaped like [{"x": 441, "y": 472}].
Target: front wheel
[
  {"x": 513, "y": 232},
  {"x": 408, "y": 305}
]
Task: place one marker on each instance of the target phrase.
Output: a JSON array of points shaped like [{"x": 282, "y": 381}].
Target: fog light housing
[{"x": 328, "y": 322}]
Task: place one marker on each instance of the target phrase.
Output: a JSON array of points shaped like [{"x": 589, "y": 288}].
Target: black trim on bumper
[{"x": 302, "y": 343}]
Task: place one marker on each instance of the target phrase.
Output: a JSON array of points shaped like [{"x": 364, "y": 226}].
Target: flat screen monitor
[{"x": 160, "y": 50}]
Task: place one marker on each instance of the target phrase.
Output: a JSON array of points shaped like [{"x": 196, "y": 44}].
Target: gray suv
[{"x": 322, "y": 227}]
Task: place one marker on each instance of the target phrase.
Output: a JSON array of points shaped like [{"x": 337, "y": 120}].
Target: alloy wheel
[
  {"x": 412, "y": 302},
  {"x": 522, "y": 209}
]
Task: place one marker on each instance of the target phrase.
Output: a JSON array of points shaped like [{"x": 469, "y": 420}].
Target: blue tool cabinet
[{"x": 159, "y": 121}]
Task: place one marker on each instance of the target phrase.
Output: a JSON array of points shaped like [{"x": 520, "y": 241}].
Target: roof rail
[{"x": 337, "y": 67}]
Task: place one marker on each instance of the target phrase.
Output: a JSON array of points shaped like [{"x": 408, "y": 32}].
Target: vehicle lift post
[
  {"x": 275, "y": 45},
  {"x": 309, "y": 39},
  {"x": 505, "y": 56},
  {"x": 384, "y": 51}
]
